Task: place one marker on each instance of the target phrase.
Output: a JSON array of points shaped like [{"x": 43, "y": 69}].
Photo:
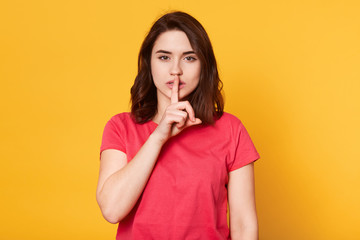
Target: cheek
[
  {"x": 196, "y": 72},
  {"x": 156, "y": 71},
  {"x": 153, "y": 68}
]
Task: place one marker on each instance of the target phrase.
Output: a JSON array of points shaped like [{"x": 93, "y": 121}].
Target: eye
[
  {"x": 164, "y": 57},
  {"x": 190, "y": 58}
]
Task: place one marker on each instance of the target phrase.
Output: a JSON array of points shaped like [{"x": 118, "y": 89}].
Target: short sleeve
[
  {"x": 113, "y": 135},
  {"x": 243, "y": 149}
]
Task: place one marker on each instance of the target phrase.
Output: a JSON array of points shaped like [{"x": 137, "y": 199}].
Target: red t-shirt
[{"x": 186, "y": 195}]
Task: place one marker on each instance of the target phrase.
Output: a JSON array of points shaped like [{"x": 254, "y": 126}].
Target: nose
[{"x": 176, "y": 68}]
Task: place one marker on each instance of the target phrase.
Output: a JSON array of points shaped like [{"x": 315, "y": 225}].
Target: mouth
[{"x": 171, "y": 83}]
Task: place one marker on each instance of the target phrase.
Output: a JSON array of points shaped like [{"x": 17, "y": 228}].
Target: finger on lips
[
  {"x": 175, "y": 91},
  {"x": 183, "y": 105}
]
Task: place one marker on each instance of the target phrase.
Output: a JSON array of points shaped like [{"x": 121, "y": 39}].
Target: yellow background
[{"x": 291, "y": 71}]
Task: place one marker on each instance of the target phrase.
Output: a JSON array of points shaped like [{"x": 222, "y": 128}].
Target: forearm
[
  {"x": 245, "y": 233},
  {"x": 122, "y": 189}
]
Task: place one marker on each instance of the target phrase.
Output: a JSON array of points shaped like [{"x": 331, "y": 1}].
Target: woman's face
[{"x": 172, "y": 56}]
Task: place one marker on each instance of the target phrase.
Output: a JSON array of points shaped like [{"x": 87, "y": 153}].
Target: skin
[{"x": 121, "y": 183}]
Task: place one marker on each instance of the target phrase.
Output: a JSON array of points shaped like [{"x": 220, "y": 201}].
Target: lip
[{"x": 170, "y": 84}]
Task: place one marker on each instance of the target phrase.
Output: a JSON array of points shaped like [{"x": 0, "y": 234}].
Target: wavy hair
[{"x": 206, "y": 99}]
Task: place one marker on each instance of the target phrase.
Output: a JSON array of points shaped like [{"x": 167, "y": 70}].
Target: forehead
[{"x": 173, "y": 41}]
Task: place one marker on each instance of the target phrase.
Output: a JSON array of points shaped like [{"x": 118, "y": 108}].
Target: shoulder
[
  {"x": 120, "y": 121},
  {"x": 121, "y": 118},
  {"x": 229, "y": 123},
  {"x": 229, "y": 119}
]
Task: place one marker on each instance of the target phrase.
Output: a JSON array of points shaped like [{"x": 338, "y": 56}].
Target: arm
[
  {"x": 120, "y": 183},
  {"x": 241, "y": 195}
]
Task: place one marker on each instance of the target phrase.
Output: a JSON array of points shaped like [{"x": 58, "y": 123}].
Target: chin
[{"x": 184, "y": 98}]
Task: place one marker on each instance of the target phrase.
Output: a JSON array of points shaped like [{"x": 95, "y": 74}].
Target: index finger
[{"x": 175, "y": 91}]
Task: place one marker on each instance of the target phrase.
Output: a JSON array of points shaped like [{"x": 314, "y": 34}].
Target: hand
[{"x": 177, "y": 116}]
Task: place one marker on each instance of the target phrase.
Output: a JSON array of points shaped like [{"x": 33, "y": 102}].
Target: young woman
[{"x": 169, "y": 168}]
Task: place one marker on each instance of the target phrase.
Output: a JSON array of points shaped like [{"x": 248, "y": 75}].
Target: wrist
[{"x": 157, "y": 138}]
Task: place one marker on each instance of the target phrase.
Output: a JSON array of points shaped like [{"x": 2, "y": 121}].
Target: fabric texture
[{"x": 186, "y": 195}]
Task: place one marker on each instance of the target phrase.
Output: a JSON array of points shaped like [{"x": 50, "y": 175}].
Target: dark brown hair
[{"x": 206, "y": 99}]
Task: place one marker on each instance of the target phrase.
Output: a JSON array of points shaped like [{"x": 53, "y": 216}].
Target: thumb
[{"x": 192, "y": 123}]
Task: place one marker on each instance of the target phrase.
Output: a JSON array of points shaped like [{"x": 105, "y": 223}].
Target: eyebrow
[{"x": 167, "y": 52}]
